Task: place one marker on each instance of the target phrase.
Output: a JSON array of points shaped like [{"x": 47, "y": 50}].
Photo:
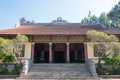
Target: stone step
[
  {"x": 58, "y": 72},
  {"x": 84, "y": 78},
  {"x": 55, "y": 75},
  {"x": 56, "y": 64},
  {"x": 58, "y": 67}
]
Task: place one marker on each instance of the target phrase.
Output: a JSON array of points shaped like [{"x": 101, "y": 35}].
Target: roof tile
[{"x": 57, "y": 29}]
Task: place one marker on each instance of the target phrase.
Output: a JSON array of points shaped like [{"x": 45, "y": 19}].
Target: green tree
[
  {"x": 7, "y": 46},
  {"x": 5, "y": 51},
  {"x": 18, "y": 45},
  {"x": 107, "y": 45},
  {"x": 89, "y": 19},
  {"x": 113, "y": 62},
  {"x": 10, "y": 49},
  {"x": 104, "y": 20},
  {"x": 2, "y": 55},
  {"x": 9, "y": 58},
  {"x": 114, "y": 15}
]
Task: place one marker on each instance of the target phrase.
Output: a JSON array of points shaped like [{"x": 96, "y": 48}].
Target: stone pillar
[
  {"x": 85, "y": 50},
  {"x": 50, "y": 52},
  {"x": 32, "y": 50},
  {"x": 68, "y": 52}
]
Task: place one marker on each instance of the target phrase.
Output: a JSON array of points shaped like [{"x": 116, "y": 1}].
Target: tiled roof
[{"x": 56, "y": 30}]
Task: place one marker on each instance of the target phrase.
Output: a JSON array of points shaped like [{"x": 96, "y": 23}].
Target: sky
[{"x": 48, "y": 10}]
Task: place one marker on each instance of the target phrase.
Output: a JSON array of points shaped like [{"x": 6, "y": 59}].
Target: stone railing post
[
  {"x": 91, "y": 67},
  {"x": 26, "y": 66}
]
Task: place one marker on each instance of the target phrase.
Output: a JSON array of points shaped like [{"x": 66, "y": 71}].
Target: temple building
[{"x": 56, "y": 42}]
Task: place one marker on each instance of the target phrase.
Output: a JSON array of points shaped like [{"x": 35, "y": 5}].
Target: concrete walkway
[
  {"x": 110, "y": 79},
  {"x": 101, "y": 79},
  {"x": 7, "y": 79}
]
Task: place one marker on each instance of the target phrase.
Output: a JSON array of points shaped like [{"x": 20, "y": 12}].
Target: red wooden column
[
  {"x": 68, "y": 52},
  {"x": 32, "y": 50},
  {"x": 85, "y": 50},
  {"x": 50, "y": 52}
]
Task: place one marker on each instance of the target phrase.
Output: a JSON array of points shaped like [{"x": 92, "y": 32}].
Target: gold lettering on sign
[
  {"x": 77, "y": 39},
  {"x": 59, "y": 39},
  {"x": 42, "y": 39}
]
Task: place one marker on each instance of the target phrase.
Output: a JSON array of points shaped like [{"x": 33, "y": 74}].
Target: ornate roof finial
[
  {"x": 59, "y": 19},
  {"x": 22, "y": 20}
]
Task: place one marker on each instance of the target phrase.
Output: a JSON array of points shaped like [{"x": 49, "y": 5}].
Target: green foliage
[
  {"x": 7, "y": 46},
  {"x": 114, "y": 15},
  {"x": 111, "y": 42},
  {"x": 90, "y": 19},
  {"x": 6, "y": 58},
  {"x": 5, "y": 71},
  {"x": 110, "y": 20},
  {"x": 114, "y": 60},
  {"x": 104, "y": 20},
  {"x": 2, "y": 56},
  {"x": 1, "y": 40},
  {"x": 96, "y": 36},
  {"x": 113, "y": 64},
  {"x": 18, "y": 45},
  {"x": 21, "y": 39},
  {"x": 108, "y": 46},
  {"x": 116, "y": 71},
  {"x": 1, "y": 43},
  {"x": 5, "y": 49},
  {"x": 9, "y": 59},
  {"x": 107, "y": 60},
  {"x": 10, "y": 49}
]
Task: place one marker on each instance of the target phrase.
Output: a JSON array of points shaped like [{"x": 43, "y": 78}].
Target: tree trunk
[{"x": 99, "y": 68}]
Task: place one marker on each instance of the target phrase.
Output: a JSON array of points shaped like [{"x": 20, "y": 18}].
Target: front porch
[{"x": 59, "y": 53}]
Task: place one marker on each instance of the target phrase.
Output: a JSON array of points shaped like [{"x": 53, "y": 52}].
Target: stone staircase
[{"x": 58, "y": 72}]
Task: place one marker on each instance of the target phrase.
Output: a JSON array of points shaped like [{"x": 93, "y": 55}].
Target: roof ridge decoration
[
  {"x": 59, "y": 21},
  {"x": 24, "y": 21}
]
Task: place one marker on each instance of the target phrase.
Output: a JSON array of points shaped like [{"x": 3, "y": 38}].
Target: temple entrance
[
  {"x": 59, "y": 52},
  {"x": 41, "y": 54},
  {"x": 59, "y": 57},
  {"x": 77, "y": 53}
]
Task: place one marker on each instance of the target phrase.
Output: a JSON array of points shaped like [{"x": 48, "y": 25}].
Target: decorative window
[
  {"x": 22, "y": 53},
  {"x": 98, "y": 49}
]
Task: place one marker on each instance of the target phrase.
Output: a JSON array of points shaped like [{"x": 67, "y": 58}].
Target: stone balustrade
[
  {"x": 27, "y": 63},
  {"x": 91, "y": 67}
]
